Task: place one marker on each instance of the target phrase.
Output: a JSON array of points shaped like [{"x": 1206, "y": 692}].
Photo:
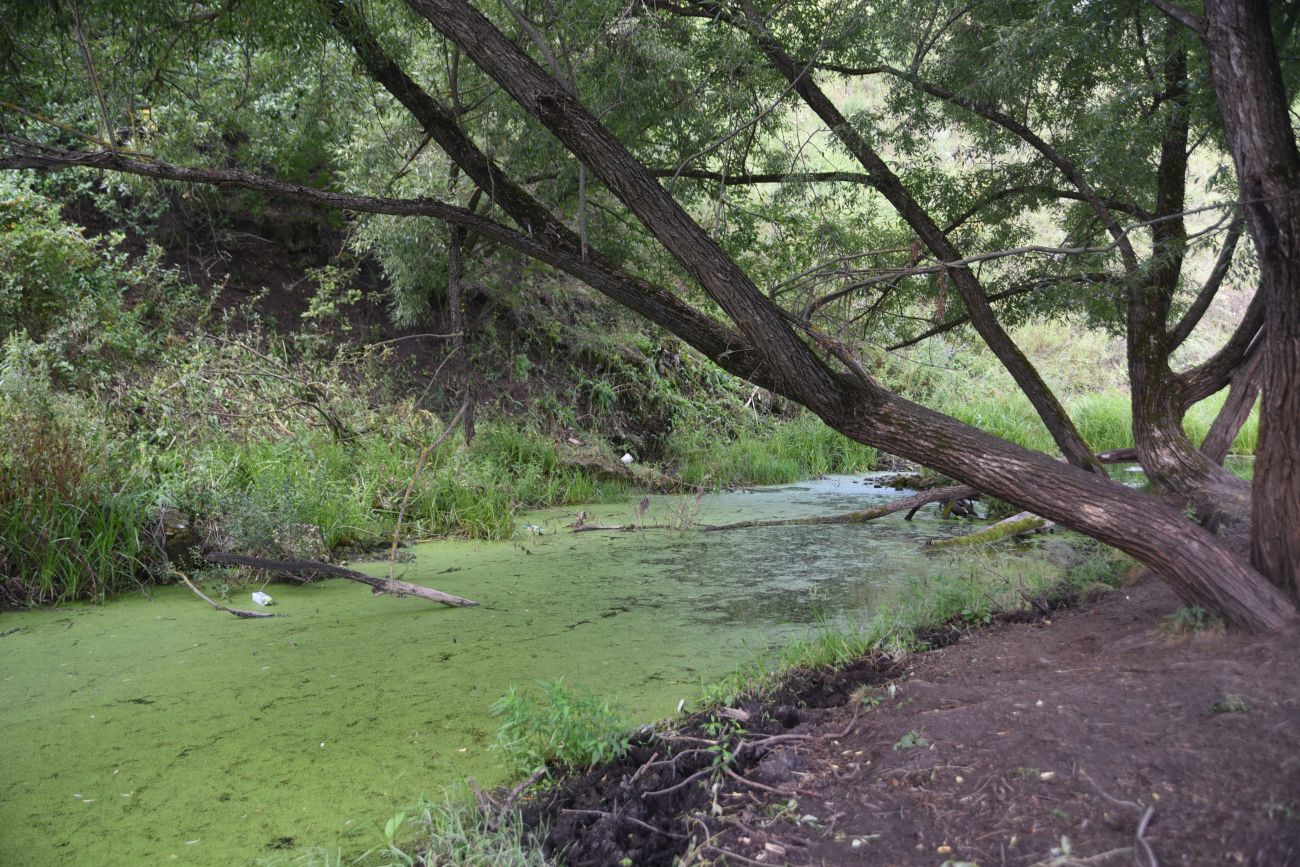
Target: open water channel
[{"x": 158, "y": 731}]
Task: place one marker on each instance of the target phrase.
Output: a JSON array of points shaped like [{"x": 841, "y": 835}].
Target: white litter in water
[{"x": 262, "y": 599}]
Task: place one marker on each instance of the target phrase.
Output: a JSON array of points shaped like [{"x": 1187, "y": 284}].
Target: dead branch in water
[
  {"x": 378, "y": 585},
  {"x": 910, "y": 504},
  {"x": 238, "y": 612},
  {"x": 903, "y": 504},
  {"x": 1018, "y": 524}
]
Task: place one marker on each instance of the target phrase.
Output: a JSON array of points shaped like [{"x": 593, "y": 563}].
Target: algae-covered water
[{"x": 156, "y": 730}]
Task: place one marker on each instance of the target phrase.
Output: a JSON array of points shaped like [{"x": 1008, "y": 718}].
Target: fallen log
[
  {"x": 377, "y": 585},
  {"x": 1017, "y": 525},
  {"x": 1118, "y": 456},
  {"x": 903, "y": 504}
]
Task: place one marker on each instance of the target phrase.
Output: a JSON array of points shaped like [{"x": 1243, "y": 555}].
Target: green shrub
[
  {"x": 67, "y": 529},
  {"x": 563, "y": 726}
]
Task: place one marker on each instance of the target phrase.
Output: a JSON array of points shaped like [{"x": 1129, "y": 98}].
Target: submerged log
[
  {"x": 378, "y": 585},
  {"x": 1017, "y": 525}
]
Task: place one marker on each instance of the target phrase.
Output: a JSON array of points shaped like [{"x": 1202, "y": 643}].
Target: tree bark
[
  {"x": 1248, "y": 83},
  {"x": 1166, "y": 453},
  {"x": 1233, "y": 414}
]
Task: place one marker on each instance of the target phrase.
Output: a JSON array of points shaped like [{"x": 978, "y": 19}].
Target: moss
[{"x": 174, "y": 723}]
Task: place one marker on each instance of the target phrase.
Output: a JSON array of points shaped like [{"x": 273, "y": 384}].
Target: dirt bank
[{"x": 1098, "y": 735}]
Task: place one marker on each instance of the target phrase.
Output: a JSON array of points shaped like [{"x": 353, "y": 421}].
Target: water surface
[{"x": 156, "y": 730}]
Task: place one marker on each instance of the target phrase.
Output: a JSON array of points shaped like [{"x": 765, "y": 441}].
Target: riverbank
[{"x": 1122, "y": 730}]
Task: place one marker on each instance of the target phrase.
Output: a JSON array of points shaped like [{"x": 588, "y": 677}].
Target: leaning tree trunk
[
  {"x": 1049, "y": 409},
  {"x": 1248, "y": 83},
  {"x": 1202, "y": 569}
]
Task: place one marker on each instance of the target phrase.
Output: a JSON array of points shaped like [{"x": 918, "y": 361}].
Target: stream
[{"x": 158, "y": 731}]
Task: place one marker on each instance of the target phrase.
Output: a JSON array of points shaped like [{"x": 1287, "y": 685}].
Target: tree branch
[
  {"x": 727, "y": 348},
  {"x": 1216, "y": 372},
  {"x": 1024, "y": 289},
  {"x": 1181, "y": 15},
  {"x": 1185, "y": 326}
]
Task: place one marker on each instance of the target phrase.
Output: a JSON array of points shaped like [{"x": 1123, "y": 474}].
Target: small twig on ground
[
  {"x": 683, "y": 784},
  {"x": 725, "y": 853},
  {"x": 761, "y": 786},
  {"x": 521, "y": 788},
  {"x": 1116, "y": 801},
  {"x": 1140, "y": 835}
]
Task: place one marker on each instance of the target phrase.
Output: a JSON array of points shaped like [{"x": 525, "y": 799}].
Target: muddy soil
[{"x": 1099, "y": 734}]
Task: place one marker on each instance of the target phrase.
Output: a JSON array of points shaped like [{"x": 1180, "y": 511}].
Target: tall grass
[
  {"x": 767, "y": 453},
  {"x": 66, "y": 531},
  {"x": 353, "y": 491},
  {"x": 1105, "y": 419},
  {"x": 448, "y": 831}
]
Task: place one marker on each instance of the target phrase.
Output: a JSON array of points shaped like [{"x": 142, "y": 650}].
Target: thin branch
[
  {"x": 406, "y": 497},
  {"x": 1181, "y": 15},
  {"x": 238, "y": 612},
  {"x": 1222, "y": 264},
  {"x": 1024, "y": 289},
  {"x": 84, "y": 47}
]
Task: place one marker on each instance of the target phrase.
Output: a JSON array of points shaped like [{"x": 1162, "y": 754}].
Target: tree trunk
[
  {"x": 1164, "y": 449},
  {"x": 1248, "y": 83},
  {"x": 1049, "y": 409},
  {"x": 1233, "y": 414}
]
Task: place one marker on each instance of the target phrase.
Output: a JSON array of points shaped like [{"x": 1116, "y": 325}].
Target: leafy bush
[
  {"x": 62, "y": 294},
  {"x": 564, "y": 726}
]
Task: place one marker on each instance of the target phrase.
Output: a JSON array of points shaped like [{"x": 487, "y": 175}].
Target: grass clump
[
  {"x": 1230, "y": 703},
  {"x": 557, "y": 726},
  {"x": 770, "y": 452},
  {"x": 447, "y": 831},
  {"x": 1188, "y": 621},
  {"x": 970, "y": 597},
  {"x": 68, "y": 528}
]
